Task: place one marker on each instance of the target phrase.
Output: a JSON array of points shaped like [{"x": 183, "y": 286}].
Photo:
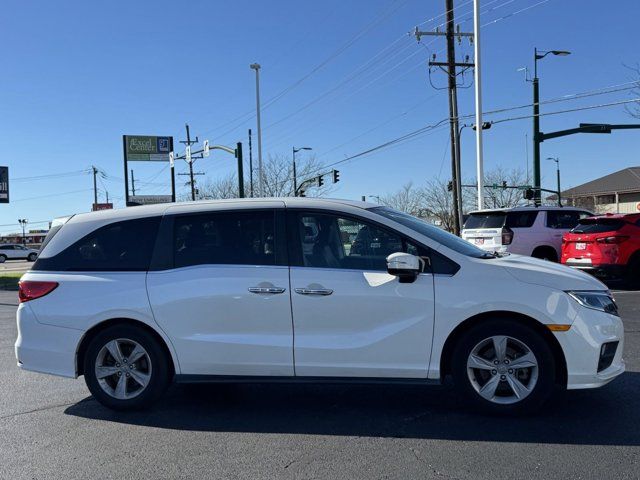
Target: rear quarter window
[
  {"x": 120, "y": 246},
  {"x": 521, "y": 219}
]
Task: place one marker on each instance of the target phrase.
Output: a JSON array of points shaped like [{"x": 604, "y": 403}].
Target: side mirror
[{"x": 404, "y": 266}]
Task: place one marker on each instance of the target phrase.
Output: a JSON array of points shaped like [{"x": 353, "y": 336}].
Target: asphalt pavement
[{"x": 51, "y": 428}]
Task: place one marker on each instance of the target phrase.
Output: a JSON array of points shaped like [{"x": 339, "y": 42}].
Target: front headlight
[{"x": 597, "y": 300}]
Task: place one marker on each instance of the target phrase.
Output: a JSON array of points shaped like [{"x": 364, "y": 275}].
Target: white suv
[
  {"x": 12, "y": 251},
  {"x": 532, "y": 231},
  {"x": 305, "y": 290}
]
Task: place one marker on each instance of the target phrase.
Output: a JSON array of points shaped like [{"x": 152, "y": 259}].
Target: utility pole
[
  {"x": 256, "y": 67},
  {"x": 250, "y": 166},
  {"x": 449, "y": 67},
  {"x": 133, "y": 184},
  {"x": 240, "y": 170},
  {"x": 95, "y": 186},
  {"x": 188, "y": 142}
]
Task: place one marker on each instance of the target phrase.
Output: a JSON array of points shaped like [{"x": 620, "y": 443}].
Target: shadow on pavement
[{"x": 606, "y": 416}]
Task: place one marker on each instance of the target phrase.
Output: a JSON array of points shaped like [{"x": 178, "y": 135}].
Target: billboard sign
[
  {"x": 4, "y": 184},
  {"x": 101, "y": 206},
  {"x": 143, "y": 148},
  {"x": 149, "y": 199}
]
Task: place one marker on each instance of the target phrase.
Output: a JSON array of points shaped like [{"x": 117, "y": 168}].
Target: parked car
[
  {"x": 305, "y": 290},
  {"x": 12, "y": 251},
  {"x": 607, "y": 246},
  {"x": 533, "y": 231}
]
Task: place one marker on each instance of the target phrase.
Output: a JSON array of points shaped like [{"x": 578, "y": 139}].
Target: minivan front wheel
[
  {"x": 504, "y": 367},
  {"x": 125, "y": 368}
]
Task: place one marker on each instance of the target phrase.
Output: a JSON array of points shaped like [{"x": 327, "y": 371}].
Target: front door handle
[
  {"x": 314, "y": 291},
  {"x": 273, "y": 290}
]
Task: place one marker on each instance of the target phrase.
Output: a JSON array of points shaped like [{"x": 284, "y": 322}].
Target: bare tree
[
  {"x": 408, "y": 199},
  {"x": 497, "y": 197},
  {"x": 278, "y": 180},
  {"x": 438, "y": 204},
  {"x": 633, "y": 109}
]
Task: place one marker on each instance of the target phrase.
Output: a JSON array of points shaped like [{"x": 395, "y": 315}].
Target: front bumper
[
  {"x": 582, "y": 343},
  {"x": 45, "y": 348}
]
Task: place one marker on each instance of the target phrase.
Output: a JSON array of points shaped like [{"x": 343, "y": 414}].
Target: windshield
[
  {"x": 434, "y": 233},
  {"x": 598, "y": 225}
]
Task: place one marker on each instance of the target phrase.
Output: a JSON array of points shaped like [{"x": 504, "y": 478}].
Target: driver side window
[{"x": 331, "y": 241}]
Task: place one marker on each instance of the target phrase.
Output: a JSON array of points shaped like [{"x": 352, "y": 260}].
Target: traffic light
[
  {"x": 336, "y": 176},
  {"x": 504, "y": 184},
  {"x": 528, "y": 194},
  {"x": 320, "y": 181},
  {"x": 450, "y": 186}
]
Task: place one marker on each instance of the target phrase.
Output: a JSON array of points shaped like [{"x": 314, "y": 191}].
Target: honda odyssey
[{"x": 299, "y": 289}]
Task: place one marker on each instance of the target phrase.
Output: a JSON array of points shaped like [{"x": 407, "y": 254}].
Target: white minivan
[{"x": 298, "y": 289}]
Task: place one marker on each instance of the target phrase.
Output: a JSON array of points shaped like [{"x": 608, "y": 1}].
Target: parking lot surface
[{"x": 51, "y": 428}]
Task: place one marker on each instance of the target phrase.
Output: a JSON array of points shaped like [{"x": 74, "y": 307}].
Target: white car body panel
[{"x": 371, "y": 325}]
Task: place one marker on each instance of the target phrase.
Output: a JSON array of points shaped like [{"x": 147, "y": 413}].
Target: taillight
[
  {"x": 613, "y": 239},
  {"x": 31, "y": 289},
  {"x": 507, "y": 236}
]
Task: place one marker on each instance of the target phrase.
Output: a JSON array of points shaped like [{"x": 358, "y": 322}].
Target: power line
[
  {"x": 52, "y": 175},
  {"x": 52, "y": 195}
]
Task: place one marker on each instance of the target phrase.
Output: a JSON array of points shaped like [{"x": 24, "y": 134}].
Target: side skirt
[{"x": 186, "y": 378}]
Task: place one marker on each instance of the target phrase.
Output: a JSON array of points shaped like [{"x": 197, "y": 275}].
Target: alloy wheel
[
  {"x": 502, "y": 369},
  {"x": 123, "y": 368}
]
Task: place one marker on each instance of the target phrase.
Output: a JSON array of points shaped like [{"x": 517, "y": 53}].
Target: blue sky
[{"x": 79, "y": 75}]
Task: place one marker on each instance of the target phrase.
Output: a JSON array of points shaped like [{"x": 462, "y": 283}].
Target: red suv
[{"x": 607, "y": 246}]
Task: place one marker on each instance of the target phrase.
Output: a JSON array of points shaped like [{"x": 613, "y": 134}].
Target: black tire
[
  {"x": 159, "y": 373},
  {"x": 545, "y": 386},
  {"x": 632, "y": 274},
  {"x": 545, "y": 253},
  {"x": 32, "y": 257},
  {"x": 3, "y": 258}
]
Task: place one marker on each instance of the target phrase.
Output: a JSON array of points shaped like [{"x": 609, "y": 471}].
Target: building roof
[{"x": 623, "y": 181}]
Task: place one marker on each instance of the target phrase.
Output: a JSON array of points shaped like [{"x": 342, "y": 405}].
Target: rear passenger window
[
  {"x": 564, "y": 220},
  {"x": 521, "y": 219},
  {"x": 120, "y": 246},
  {"x": 225, "y": 238}
]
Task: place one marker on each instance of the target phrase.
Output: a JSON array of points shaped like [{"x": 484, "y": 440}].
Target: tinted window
[
  {"x": 229, "y": 238},
  {"x": 434, "y": 233},
  {"x": 121, "y": 246},
  {"x": 563, "y": 219},
  {"x": 330, "y": 241},
  {"x": 7, "y": 247},
  {"x": 524, "y": 219},
  {"x": 486, "y": 220},
  {"x": 598, "y": 225}
]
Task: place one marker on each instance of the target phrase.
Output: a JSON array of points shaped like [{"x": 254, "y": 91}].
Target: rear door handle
[
  {"x": 272, "y": 290},
  {"x": 314, "y": 291}
]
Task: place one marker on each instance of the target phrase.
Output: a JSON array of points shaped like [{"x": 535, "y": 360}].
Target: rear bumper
[
  {"x": 603, "y": 271},
  {"x": 45, "y": 348}
]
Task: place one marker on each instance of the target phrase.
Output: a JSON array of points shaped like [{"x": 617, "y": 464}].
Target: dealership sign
[
  {"x": 4, "y": 184},
  {"x": 147, "y": 149}
]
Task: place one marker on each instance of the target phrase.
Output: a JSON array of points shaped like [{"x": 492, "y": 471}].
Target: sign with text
[
  {"x": 149, "y": 199},
  {"x": 144, "y": 148},
  {"x": 101, "y": 206},
  {"x": 4, "y": 184}
]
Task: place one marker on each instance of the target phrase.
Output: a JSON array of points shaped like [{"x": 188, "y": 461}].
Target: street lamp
[
  {"x": 485, "y": 126},
  {"x": 295, "y": 178},
  {"x": 539, "y": 55},
  {"x": 23, "y": 223},
  {"x": 256, "y": 67},
  {"x": 557, "y": 160}
]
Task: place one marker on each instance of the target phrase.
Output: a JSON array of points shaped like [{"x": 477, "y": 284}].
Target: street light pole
[
  {"x": 295, "y": 176},
  {"x": 478, "y": 92},
  {"x": 256, "y": 67},
  {"x": 557, "y": 160},
  {"x": 538, "y": 55},
  {"x": 23, "y": 223}
]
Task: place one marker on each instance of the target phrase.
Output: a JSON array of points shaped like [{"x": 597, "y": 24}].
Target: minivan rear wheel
[
  {"x": 125, "y": 368},
  {"x": 504, "y": 367}
]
